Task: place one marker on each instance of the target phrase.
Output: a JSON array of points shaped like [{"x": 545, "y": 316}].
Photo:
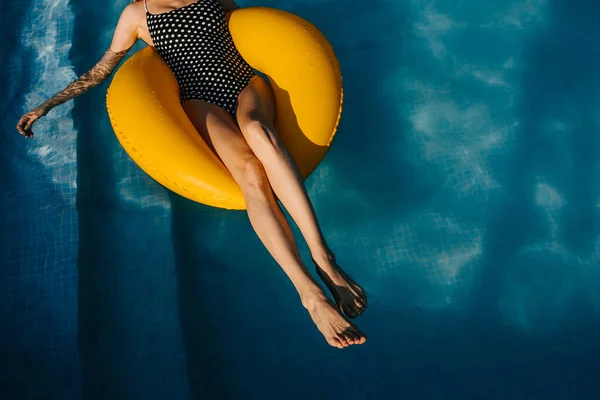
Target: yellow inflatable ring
[{"x": 144, "y": 109}]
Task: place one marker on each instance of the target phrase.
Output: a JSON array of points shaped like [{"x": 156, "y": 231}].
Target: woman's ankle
[
  {"x": 312, "y": 296},
  {"x": 323, "y": 257}
]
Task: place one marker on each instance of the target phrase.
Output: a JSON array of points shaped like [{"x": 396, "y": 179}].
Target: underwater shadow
[
  {"x": 198, "y": 288},
  {"x": 96, "y": 198},
  {"x": 125, "y": 257}
]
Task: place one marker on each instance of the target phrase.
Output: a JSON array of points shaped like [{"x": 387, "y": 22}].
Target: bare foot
[
  {"x": 337, "y": 330},
  {"x": 348, "y": 295}
]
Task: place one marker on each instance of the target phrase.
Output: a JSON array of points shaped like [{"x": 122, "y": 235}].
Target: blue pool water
[{"x": 462, "y": 191}]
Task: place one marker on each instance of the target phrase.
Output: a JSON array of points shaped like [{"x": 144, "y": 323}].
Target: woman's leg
[
  {"x": 222, "y": 135},
  {"x": 256, "y": 111}
]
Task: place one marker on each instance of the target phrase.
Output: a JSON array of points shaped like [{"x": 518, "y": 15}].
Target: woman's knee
[
  {"x": 253, "y": 179},
  {"x": 261, "y": 137}
]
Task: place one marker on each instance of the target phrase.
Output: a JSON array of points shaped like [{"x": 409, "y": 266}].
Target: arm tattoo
[{"x": 93, "y": 77}]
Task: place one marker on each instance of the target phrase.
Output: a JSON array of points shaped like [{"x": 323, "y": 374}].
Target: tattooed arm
[{"x": 126, "y": 33}]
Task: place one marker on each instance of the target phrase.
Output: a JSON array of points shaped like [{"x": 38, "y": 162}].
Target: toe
[
  {"x": 361, "y": 294},
  {"x": 349, "y": 310},
  {"x": 356, "y": 306},
  {"x": 360, "y": 307},
  {"x": 360, "y": 301},
  {"x": 359, "y": 337},
  {"x": 363, "y": 338},
  {"x": 335, "y": 342},
  {"x": 363, "y": 297},
  {"x": 350, "y": 339},
  {"x": 355, "y": 337},
  {"x": 350, "y": 336},
  {"x": 346, "y": 341}
]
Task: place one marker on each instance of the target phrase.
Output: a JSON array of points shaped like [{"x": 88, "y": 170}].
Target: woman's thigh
[
  {"x": 221, "y": 134},
  {"x": 256, "y": 103}
]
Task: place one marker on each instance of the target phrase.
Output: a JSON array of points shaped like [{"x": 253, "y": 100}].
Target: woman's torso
[{"x": 195, "y": 42}]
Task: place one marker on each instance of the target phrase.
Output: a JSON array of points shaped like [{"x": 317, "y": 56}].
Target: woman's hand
[{"x": 24, "y": 125}]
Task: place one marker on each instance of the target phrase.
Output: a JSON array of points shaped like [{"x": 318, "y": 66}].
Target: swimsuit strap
[{"x": 145, "y": 7}]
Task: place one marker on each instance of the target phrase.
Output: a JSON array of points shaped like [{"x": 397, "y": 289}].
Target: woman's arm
[
  {"x": 229, "y": 5},
  {"x": 124, "y": 37}
]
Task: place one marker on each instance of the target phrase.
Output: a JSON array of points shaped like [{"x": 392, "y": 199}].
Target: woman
[{"x": 233, "y": 109}]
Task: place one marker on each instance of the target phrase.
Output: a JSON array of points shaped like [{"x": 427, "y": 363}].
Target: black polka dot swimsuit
[{"x": 195, "y": 42}]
